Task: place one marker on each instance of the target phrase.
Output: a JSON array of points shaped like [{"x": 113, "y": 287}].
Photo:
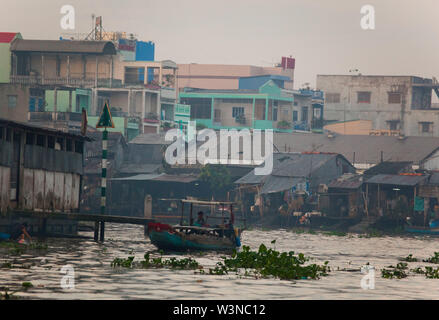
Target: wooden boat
[
  {"x": 422, "y": 230},
  {"x": 191, "y": 238}
]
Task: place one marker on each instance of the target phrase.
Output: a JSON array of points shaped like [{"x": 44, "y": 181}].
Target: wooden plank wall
[
  {"x": 5, "y": 173},
  {"x": 52, "y": 191}
]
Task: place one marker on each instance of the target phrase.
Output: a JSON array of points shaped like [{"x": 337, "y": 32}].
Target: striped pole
[{"x": 104, "y": 170}]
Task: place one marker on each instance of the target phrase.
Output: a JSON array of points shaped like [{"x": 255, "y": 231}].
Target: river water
[{"x": 96, "y": 279}]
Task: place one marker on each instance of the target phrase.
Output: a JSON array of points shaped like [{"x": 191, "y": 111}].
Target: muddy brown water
[{"x": 96, "y": 279}]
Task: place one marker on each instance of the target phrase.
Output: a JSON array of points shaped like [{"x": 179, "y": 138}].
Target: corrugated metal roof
[
  {"x": 275, "y": 184},
  {"x": 367, "y": 149},
  {"x": 64, "y": 46},
  {"x": 183, "y": 178},
  {"x": 139, "y": 177},
  {"x": 7, "y": 37},
  {"x": 347, "y": 181},
  {"x": 389, "y": 167},
  {"x": 150, "y": 138},
  {"x": 139, "y": 167},
  {"x": 41, "y": 129},
  {"x": 278, "y": 159},
  {"x": 301, "y": 165},
  {"x": 393, "y": 179}
]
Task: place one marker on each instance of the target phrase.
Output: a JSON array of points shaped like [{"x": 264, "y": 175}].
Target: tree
[{"x": 218, "y": 177}]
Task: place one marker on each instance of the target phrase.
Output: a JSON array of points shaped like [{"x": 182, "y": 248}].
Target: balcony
[
  {"x": 63, "y": 81},
  {"x": 52, "y": 116}
]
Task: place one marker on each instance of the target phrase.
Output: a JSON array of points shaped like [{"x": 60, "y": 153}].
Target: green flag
[{"x": 105, "y": 120}]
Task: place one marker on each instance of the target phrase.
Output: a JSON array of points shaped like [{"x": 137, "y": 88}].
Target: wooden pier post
[
  {"x": 102, "y": 234},
  {"x": 96, "y": 235}
]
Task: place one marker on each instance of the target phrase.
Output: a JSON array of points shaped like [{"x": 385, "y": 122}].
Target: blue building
[{"x": 255, "y": 82}]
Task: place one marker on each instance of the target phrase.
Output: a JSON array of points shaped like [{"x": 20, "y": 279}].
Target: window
[
  {"x": 394, "y": 97},
  {"x": 40, "y": 140},
  {"x": 59, "y": 144},
  {"x": 79, "y": 146},
  {"x": 217, "y": 115},
  {"x": 12, "y": 101},
  {"x": 332, "y": 98},
  {"x": 295, "y": 117},
  {"x": 285, "y": 112},
  {"x": 237, "y": 112},
  {"x": 275, "y": 114},
  {"x": 69, "y": 145},
  {"x": 304, "y": 114},
  {"x": 363, "y": 96},
  {"x": 30, "y": 138},
  {"x": 393, "y": 124},
  {"x": 317, "y": 113},
  {"x": 426, "y": 127},
  {"x": 1, "y": 133},
  {"x": 51, "y": 142}
]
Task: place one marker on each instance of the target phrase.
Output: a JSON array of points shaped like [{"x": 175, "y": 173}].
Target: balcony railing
[
  {"x": 75, "y": 82},
  {"x": 51, "y": 116}
]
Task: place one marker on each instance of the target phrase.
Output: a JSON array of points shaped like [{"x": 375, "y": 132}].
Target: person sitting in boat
[
  {"x": 19, "y": 233},
  {"x": 201, "y": 222}
]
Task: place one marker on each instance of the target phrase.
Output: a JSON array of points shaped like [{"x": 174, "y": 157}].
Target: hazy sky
[{"x": 324, "y": 36}]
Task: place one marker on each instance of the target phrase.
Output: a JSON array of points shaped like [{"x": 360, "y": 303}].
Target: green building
[{"x": 268, "y": 107}]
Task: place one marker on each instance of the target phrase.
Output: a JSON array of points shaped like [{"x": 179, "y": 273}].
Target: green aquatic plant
[
  {"x": 121, "y": 262},
  {"x": 335, "y": 233},
  {"x": 26, "y": 285},
  {"x": 410, "y": 258},
  {"x": 429, "y": 272},
  {"x": 433, "y": 259},
  {"x": 269, "y": 262},
  {"x": 148, "y": 262},
  {"x": 397, "y": 272}
]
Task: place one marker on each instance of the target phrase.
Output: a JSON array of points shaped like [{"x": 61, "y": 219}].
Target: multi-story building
[
  {"x": 51, "y": 81},
  {"x": 307, "y": 112},
  {"x": 268, "y": 107},
  {"x": 396, "y": 105},
  {"x": 226, "y": 77}
]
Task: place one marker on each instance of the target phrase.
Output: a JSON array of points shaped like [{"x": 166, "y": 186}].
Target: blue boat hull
[
  {"x": 177, "y": 242},
  {"x": 421, "y": 230}
]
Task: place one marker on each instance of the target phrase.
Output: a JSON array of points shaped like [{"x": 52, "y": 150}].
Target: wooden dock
[{"x": 99, "y": 219}]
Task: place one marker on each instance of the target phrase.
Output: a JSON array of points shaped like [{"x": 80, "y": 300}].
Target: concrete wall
[
  {"x": 5, "y": 62},
  {"x": 76, "y": 66},
  {"x": 379, "y": 110},
  {"x": 18, "y": 113},
  {"x": 357, "y": 127},
  {"x": 227, "y": 119},
  {"x": 221, "y": 76}
]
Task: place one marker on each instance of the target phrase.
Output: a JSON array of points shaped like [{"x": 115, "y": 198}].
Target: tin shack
[{"x": 40, "y": 169}]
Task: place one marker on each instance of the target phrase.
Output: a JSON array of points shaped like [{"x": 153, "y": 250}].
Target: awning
[{"x": 400, "y": 180}]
